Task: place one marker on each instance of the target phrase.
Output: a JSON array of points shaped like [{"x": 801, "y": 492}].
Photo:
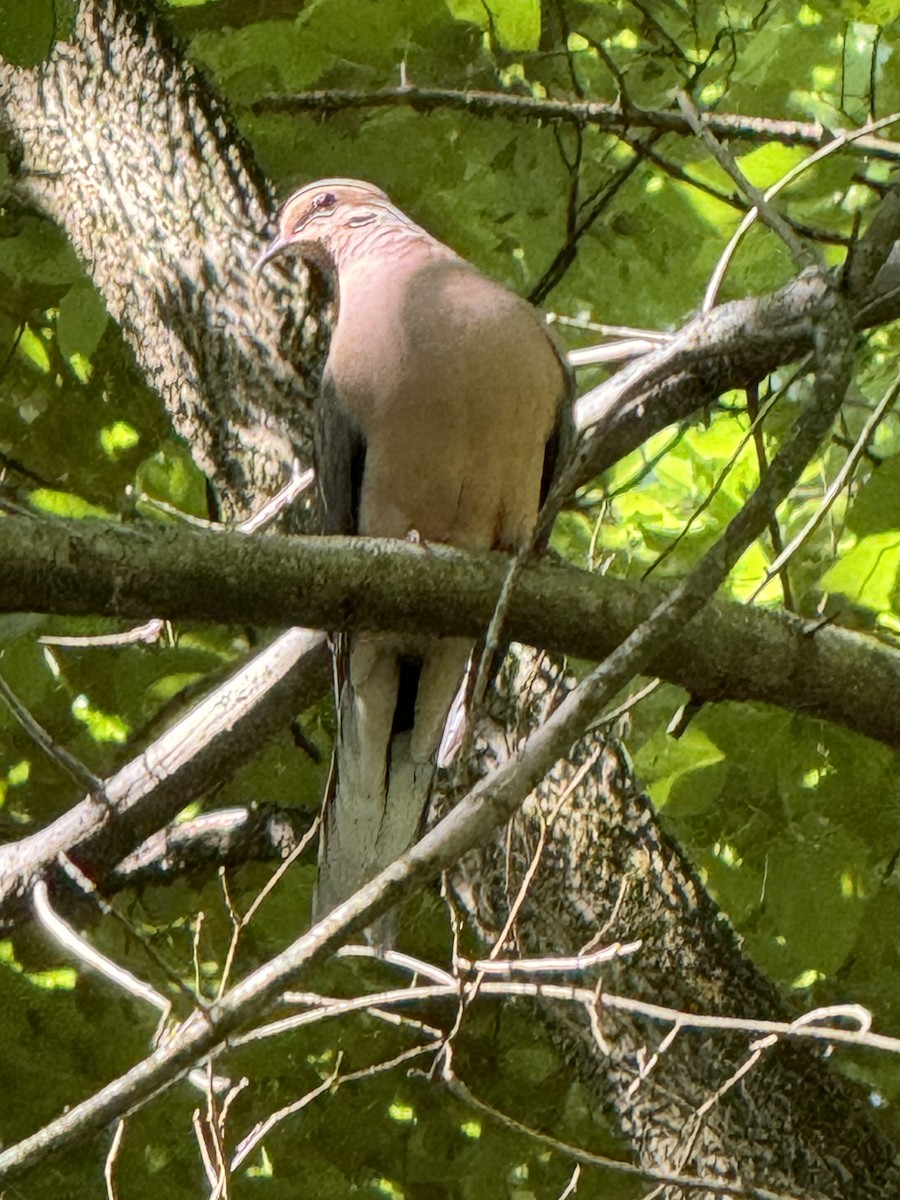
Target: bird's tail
[{"x": 393, "y": 698}]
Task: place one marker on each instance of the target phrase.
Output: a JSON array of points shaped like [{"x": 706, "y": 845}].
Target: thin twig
[
  {"x": 802, "y": 255},
  {"x": 249, "y": 1143},
  {"x": 836, "y": 486},
  {"x": 89, "y": 888},
  {"x": 149, "y": 634},
  {"x": 109, "y": 1163},
  {"x": 762, "y": 462},
  {"x": 839, "y": 142},
  {"x": 733, "y": 126},
  {"x": 72, "y": 766},
  {"x": 90, "y": 956},
  {"x": 719, "y": 483},
  {"x": 714, "y": 1187}
]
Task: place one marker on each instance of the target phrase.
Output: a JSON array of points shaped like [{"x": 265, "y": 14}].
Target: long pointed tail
[{"x": 385, "y": 754}]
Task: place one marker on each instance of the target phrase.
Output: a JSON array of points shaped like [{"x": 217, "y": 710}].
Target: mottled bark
[
  {"x": 120, "y": 142},
  {"x": 729, "y": 651}
]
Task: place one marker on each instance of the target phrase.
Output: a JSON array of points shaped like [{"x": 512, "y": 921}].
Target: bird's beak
[{"x": 277, "y": 246}]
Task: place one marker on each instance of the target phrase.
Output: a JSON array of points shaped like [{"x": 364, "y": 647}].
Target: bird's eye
[{"x": 320, "y": 205}]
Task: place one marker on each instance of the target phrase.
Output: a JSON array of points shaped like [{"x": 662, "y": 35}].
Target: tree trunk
[{"x": 119, "y": 141}]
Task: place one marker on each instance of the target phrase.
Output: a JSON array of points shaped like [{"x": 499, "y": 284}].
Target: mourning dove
[{"x": 438, "y": 419}]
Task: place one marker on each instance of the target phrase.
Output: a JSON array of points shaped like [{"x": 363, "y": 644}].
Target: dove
[{"x": 442, "y": 406}]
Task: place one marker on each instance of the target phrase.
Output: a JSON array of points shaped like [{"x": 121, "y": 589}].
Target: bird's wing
[
  {"x": 340, "y": 462},
  {"x": 561, "y": 441}
]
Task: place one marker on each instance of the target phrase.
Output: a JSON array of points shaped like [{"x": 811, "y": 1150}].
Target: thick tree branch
[
  {"x": 223, "y": 837},
  {"x": 730, "y": 347},
  {"x": 731, "y": 652},
  {"x": 873, "y": 251}
]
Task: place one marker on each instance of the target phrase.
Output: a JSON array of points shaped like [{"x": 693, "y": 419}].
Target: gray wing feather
[{"x": 340, "y": 460}]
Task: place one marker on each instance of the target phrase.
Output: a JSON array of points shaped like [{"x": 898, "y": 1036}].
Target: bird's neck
[{"x": 386, "y": 242}]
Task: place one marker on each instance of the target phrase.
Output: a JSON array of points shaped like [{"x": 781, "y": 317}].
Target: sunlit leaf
[{"x": 103, "y": 727}]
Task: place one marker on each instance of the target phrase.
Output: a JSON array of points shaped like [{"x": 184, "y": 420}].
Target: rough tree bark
[{"x": 120, "y": 144}]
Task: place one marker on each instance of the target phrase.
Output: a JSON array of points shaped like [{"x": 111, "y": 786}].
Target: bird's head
[{"x": 322, "y": 218}]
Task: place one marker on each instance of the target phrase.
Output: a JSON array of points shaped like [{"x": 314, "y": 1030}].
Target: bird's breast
[{"x": 455, "y": 386}]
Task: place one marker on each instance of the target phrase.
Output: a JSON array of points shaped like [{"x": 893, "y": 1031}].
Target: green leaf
[
  {"x": 767, "y": 164},
  {"x": 876, "y": 508},
  {"x": 817, "y": 939},
  {"x": 867, "y": 574},
  {"x": 664, "y": 760},
  {"x": 63, "y": 978},
  {"x": 103, "y": 727},
  {"x": 39, "y": 253},
  {"x": 118, "y": 438},
  {"x": 872, "y": 12},
  {"x": 31, "y": 347},
  {"x": 516, "y": 24},
  {"x": 472, "y": 11},
  {"x": 65, "y": 504},
  {"x": 26, "y": 31},
  {"x": 172, "y": 475},
  {"x": 82, "y": 320}
]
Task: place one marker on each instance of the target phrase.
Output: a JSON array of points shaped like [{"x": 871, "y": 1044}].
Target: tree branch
[
  {"x": 730, "y": 653},
  {"x": 201, "y": 750},
  {"x": 611, "y": 117}
]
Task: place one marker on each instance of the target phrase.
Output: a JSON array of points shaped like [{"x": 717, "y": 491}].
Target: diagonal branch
[{"x": 205, "y": 747}]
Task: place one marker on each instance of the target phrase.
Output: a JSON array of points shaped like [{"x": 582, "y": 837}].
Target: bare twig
[
  {"x": 248, "y": 1144},
  {"x": 836, "y": 486},
  {"x": 72, "y": 766},
  {"x": 90, "y": 956},
  {"x": 860, "y": 280},
  {"x": 181, "y": 764},
  {"x": 716, "y": 487},
  {"x": 801, "y": 253},
  {"x": 300, "y": 480},
  {"x": 762, "y": 463},
  {"x": 149, "y": 634},
  {"x": 712, "y": 1187},
  {"x": 109, "y": 1164}
]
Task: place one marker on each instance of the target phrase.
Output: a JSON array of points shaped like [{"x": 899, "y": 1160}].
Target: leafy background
[{"x": 794, "y": 824}]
